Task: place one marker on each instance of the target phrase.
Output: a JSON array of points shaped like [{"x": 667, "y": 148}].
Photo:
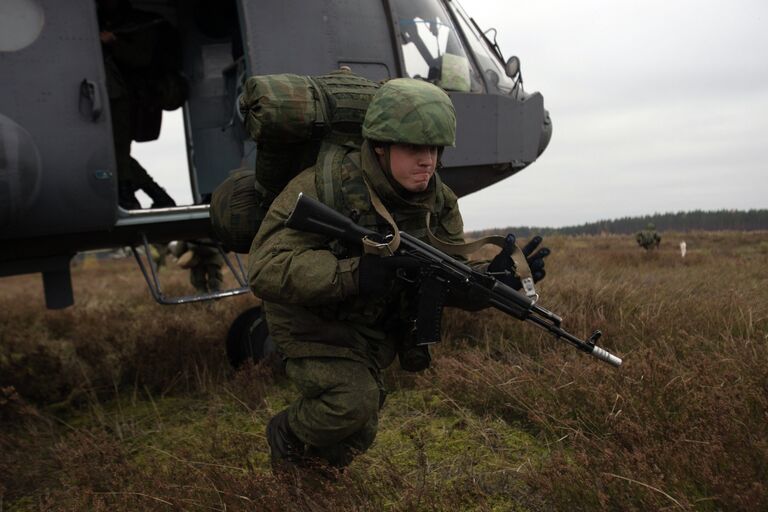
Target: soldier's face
[{"x": 412, "y": 165}]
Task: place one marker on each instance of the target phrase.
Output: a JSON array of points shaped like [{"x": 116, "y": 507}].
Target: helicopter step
[{"x": 149, "y": 271}]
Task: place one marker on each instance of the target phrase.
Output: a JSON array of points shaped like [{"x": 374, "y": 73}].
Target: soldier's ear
[{"x": 379, "y": 150}]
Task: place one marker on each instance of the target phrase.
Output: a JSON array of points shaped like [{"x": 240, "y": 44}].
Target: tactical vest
[{"x": 340, "y": 184}]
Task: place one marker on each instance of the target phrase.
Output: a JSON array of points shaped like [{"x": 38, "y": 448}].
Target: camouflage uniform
[
  {"x": 335, "y": 341},
  {"x": 204, "y": 265},
  {"x": 648, "y": 238}
]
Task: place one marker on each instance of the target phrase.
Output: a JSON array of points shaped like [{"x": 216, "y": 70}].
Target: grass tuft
[{"x": 120, "y": 404}]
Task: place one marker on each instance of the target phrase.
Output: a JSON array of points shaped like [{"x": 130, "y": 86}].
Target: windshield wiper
[{"x": 492, "y": 45}]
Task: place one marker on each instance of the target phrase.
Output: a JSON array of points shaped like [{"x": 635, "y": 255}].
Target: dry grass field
[{"x": 121, "y": 404}]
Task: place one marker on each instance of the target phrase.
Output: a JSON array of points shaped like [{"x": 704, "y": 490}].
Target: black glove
[
  {"x": 376, "y": 274},
  {"x": 503, "y": 266},
  {"x": 535, "y": 258}
]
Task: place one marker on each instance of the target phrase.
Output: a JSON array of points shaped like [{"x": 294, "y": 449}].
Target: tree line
[{"x": 697, "y": 220}]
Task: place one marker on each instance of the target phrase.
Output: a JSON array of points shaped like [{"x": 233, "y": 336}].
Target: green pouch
[{"x": 236, "y": 211}]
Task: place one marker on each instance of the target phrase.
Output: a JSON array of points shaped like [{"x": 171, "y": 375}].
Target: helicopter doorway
[
  {"x": 166, "y": 160},
  {"x": 178, "y": 64}
]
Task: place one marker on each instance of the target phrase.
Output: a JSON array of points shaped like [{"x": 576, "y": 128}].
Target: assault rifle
[{"x": 440, "y": 274}]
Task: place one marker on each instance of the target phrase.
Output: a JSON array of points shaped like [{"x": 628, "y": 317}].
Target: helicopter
[{"x": 58, "y": 179}]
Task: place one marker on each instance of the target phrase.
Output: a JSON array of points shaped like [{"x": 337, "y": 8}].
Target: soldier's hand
[
  {"x": 535, "y": 258},
  {"x": 503, "y": 268},
  {"x": 107, "y": 37},
  {"x": 503, "y": 261},
  {"x": 376, "y": 274}
]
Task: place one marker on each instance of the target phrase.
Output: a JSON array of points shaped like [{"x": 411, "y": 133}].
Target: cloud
[{"x": 656, "y": 106}]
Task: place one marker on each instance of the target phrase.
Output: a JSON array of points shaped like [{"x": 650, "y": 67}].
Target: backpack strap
[{"x": 328, "y": 173}]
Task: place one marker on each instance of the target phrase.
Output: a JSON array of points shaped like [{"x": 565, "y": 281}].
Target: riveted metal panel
[
  {"x": 313, "y": 38},
  {"x": 55, "y": 135}
]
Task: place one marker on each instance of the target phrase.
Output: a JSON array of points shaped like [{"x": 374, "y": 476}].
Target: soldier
[
  {"x": 339, "y": 316},
  {"x": 648, "y": 238},
  {"x": 141, "y": 58},
  {"x": 204, "y": 262}
]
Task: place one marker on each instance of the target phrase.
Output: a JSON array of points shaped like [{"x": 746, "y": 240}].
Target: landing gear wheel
[{"x": 248, "y": 338}]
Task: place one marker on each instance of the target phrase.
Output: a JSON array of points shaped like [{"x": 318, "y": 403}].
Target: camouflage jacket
[{"x": 309, "y": 282}]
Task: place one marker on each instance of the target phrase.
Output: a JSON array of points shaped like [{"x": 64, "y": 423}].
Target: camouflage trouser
[
  {"x": 206, "y": 276},
  {"x": 337, "y": 414}
]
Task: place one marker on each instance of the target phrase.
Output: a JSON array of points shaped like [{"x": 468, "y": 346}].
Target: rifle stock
[{"x": 315, "y": 217}]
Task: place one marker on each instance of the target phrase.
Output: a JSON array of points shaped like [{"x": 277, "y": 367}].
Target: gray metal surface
[
  {"x": 74, "y": 186},
  {"x": 492, "y": 129},
  {"x": 314, "y": 37},
  {"x": 215, "y": 143}
]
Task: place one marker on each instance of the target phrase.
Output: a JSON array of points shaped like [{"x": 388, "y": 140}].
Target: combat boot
[
  {"x": 285, "y": 449},
  {"x": 126, "y": 197}
]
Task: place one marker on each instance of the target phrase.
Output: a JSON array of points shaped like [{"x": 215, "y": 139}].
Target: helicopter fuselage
[{"x": 58, "y": 177}]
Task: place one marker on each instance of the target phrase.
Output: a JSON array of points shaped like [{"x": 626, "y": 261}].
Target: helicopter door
[
  {"x": 57, "y": 166},
  {"x": 212, "y": 47}
]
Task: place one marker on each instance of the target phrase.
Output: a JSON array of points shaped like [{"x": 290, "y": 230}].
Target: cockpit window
[
  {"x": 432, "y": 49},
  {"x": 492, "y": 68}
]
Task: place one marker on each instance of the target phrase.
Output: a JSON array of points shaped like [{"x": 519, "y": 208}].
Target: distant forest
[{"x": 700, "y": 220}]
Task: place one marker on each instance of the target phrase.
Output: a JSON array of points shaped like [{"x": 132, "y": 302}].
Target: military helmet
[{"x": 410, "y": 111}]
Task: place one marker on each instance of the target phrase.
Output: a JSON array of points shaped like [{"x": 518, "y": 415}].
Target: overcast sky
[{"x": 657, "y": 106}]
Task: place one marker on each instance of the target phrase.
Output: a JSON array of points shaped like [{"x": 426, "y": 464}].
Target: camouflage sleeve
[
  {"x": 451, "y": 228},
  {"x": 292, "y": 267}
]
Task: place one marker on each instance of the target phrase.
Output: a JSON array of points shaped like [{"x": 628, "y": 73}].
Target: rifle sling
[
  {"x": 522, "y": 268},
  {"x": 373, "y": 247},
  {"x": 461, "y": 249}
]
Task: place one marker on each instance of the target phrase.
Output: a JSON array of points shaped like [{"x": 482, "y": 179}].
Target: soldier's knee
[{"x": 362, "y": 405}]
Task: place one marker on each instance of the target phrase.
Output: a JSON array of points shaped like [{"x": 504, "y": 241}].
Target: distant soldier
[
  {"x": 204, "y": 262},
  {"x": 648, "y": 238}
]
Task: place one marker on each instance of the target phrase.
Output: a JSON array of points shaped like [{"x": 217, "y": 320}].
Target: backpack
[{"x": 294, "y": 120}]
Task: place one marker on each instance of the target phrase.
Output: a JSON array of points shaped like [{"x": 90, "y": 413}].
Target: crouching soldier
[{"x": 340, "y": 316}]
